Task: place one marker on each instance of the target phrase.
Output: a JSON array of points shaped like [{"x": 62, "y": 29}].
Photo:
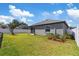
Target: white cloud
[
  {"x": 54, "y": 12},
  {"x": 6, "y": 19},
  {"x": 70, "y": 21},
  {"x": 52, "y": 15},
  {"x": 69, "y": 24},
  {"x": 23, "y": 19},
  {"x": 74, "y": 13},
  {"x": 27, "y": 13},
  {"x": 58, "y": 12},
  {"x": 29, "y": 20},
  {"x": 19, "y": 13},
  {"x": 70, "y": 5},
  {"x": 11, "y": 7},
  {"x": 16, "y": 14},
  {"x": 45, "y": 13},
  {"x": 74, "y": 8}
]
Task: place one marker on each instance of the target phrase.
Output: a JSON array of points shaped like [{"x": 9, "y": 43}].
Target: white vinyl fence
[
  {"x": 76, "y": 35},
  {"x": 15, "y": 31}
]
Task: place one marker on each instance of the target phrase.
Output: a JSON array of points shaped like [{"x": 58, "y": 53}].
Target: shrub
[
  {"x": 63, "y": 38},
  {"x": 57, "y": 36},
  {"x": 69, "y": 36},
  {"x": 50, "y": 36},
  {"x": 60, "y": 38}
]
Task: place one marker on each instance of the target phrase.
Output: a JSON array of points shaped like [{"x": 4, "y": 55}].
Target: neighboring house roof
[
  {"x": 72, "y": 27},
  {"x": 49, "y": 21}
]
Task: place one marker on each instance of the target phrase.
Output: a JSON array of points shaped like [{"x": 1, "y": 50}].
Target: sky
[{"x": 31, "y": 13}]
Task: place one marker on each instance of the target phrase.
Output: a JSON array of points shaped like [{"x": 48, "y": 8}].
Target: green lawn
[{"x": 30, "y": 45}]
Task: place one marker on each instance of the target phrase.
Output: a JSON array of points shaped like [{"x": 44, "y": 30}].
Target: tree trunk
[{"x": 11, "y": 30}]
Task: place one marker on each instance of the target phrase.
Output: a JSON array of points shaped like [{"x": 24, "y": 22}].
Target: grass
[{"x": 30, "y": 45}]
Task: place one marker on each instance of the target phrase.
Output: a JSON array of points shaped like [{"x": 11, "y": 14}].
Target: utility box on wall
[{"x": 1, "y": 38}]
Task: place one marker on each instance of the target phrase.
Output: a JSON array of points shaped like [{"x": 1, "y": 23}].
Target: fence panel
[
  {"x": 76, "y": 35},
  {"x": 15, "y": 30}
]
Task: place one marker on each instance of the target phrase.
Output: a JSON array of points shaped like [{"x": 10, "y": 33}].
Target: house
[{"x": 49, "y": 26}]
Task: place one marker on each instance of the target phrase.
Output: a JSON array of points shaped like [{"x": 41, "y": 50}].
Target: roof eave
[{"x": 51, "y": 23}]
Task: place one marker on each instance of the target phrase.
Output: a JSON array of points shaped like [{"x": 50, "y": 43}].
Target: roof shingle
[{"x": 47, "y": 21}]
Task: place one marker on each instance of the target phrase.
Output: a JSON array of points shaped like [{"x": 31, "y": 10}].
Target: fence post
[{"x": 1, "y": 38}]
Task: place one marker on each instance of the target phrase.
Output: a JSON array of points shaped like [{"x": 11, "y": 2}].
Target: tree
[
  {"x": 13, "y": 25},
  {"x": 2, "y": 25},
  {"x": 23, "y": 25}
]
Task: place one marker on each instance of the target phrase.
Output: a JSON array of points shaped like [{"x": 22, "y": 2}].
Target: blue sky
[{"x": 35, "y": 12}]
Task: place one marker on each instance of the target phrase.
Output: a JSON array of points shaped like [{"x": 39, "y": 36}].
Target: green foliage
[
  {"x": 23, "y": 25},
  {"x": 50, "y": 34},
  {"x": 13, "y": 25},
  {"x": 4, "y": 26},
  {"x": 69, "y": 36},
  {"x": 1, "y": 23},
  {"x": 57, "y": 36}
]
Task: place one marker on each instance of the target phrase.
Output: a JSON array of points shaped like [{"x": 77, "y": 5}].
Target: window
[{"x": 47, "y": 29}]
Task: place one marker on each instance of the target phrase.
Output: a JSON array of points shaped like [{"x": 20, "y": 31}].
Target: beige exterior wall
[
  {"x": 40, "y": 31},
  {"x": 58, "y": 28}
]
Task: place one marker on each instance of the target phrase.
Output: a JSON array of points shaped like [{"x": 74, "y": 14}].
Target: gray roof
[{"x": 48, "y": 21}]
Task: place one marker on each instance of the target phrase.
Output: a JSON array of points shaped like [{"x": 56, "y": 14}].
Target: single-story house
[{"x": 49, "y": 26}]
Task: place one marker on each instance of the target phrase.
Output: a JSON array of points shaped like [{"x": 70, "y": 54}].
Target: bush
[
  {"x": 69, "y": 36},
  {"x": 50, "y": 36},
  {"x": 63, "y": 38},
  {"x": 57, "y": 36}
]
